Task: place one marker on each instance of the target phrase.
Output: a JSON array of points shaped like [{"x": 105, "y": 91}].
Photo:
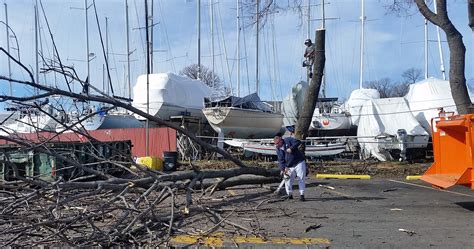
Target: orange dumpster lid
[
  {"x": 450, "y": 123},
  {"x": 441, "y": 180}
]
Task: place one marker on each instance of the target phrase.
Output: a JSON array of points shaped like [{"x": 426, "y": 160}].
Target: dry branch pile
[
  {"x": 142, "y": 211},
  {"x": 96, "y": 208}
]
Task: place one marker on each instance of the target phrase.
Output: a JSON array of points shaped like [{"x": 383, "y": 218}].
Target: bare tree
[
  {"x": 383, "y": 86},
  {"x": 208, "y": 76},
  {"x": 400, "y": 90},
  {"x": 457, "y": 59},
  {"x": 412, "y": 75},
  {"x": 268, "y": 8},
  {"x": 387, "y": 88}
]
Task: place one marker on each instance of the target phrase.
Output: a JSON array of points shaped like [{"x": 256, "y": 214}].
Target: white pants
[{"x": 299, "y": 171}]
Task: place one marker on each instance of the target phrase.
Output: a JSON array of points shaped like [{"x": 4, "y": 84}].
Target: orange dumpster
[{"x": 453, "y": 149}]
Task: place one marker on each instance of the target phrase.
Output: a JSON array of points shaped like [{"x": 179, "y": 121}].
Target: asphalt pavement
[{"x": 376, "y": 213}]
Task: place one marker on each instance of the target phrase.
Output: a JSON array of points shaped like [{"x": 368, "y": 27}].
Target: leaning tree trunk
[
  {"x": 470, "y": 13},
  {"x": 457, "y": 53},
  {"x": 311, "y": 97}
]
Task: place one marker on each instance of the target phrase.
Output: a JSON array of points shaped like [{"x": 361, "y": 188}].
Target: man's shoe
[
  {"x": 302, "y": 198},
  {"x": 288, "y": 197}
]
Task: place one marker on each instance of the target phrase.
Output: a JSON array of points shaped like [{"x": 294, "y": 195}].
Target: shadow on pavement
[
  {"x": 344, "y": 198},
  {"x": 469, "y": 205}
]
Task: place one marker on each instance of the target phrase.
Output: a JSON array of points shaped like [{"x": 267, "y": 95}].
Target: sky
[{"x": 392, "y": 44}]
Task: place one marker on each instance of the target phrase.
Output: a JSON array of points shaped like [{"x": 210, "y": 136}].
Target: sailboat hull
[
  {"x": 32, "y": 123},
  {"x": 111, "y": 121},
  {"x": 165, "y": 111},
  {"x": 108, "y": 121},
  {"x": 235, "y": 122},
  {"x": 331, "y": 124},
  {"x": 317, "y": 150}
]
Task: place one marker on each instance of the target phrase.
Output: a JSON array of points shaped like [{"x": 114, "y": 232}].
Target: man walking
[{"x": 292, "y": 163}]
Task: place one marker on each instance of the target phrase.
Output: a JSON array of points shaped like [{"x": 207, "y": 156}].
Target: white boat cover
[
  {"x": 427, "y": 96},
  {"x": 384, "y": 117},
  {"x": 292, "y": 104},
  {"x": 170, "y": 89},
  {"x": 357, "y": 99}
]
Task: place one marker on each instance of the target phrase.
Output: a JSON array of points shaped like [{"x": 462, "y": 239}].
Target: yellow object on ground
[
  {"x": 411, "y": 178},
  {"x": 219, "y": 240},
  {"x": 323, "y": 176},
  {"x": 151, "y": 162}
]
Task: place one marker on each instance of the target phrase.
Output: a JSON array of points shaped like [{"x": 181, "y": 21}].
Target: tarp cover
[
  {"x": 384, "y": 117},
  {"x": 251, "y": 101},
  {"x": 170, "y": 89},
  {"x": 427, "y": 96},
  {"x": 292, "y": 104},
  {"x": 358, "y": 97}
]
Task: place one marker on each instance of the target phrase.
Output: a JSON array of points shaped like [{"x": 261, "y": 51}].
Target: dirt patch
[
  {"x": 378, "y": 169},
  {"x": 373, "y": 168}
]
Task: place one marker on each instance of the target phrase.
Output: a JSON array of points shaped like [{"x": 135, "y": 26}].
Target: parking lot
[{"x": 376, "y": 213}]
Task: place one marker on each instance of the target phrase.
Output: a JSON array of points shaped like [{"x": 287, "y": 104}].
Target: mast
[
  {"x": 439, "y": 45},
  {"x": 211, "y": 10},
  {"x": 103, "y": 76},
  {"x": 362, "y": 20},
  {"x": 8, "y": 50},
  {"x": 256, "y": 58},
  {"x": 238, "y": 48},
  {"x": 308, "y": 35},
  {"x": 199, "y": 39},
  {"x": 127, "y": 31},
  {"x": 245, "y": 55},
  {"x": 224, "y": 47},
  {"x": 323, "y": 26},
  {"x": 125, "y": 79},
  {"x": 36, "y": 48},
  {"x": 107, "y": 49},
  {"x": 426, "y": 48},
  {"x": 309, "y": 20},
  {"x": 87, "y": 39},
  {"x": 151, "y": 25},
  {"x": 147, "y": 123}
]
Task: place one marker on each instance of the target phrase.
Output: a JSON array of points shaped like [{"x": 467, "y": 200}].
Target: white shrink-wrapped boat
[
  {"x": 387, "y": 124},
  {"x": 293, "y": 103},
  {"x": 426, "y": 97},
  {"x": 356, "y": 101},
  {"x": 170, "y": 95}
]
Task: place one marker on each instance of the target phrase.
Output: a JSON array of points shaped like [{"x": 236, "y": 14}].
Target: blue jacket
[{"x": 289, "y": 159}]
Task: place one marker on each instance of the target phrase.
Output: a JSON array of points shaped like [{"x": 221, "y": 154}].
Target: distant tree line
[{"x": 388, "y": 88}]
